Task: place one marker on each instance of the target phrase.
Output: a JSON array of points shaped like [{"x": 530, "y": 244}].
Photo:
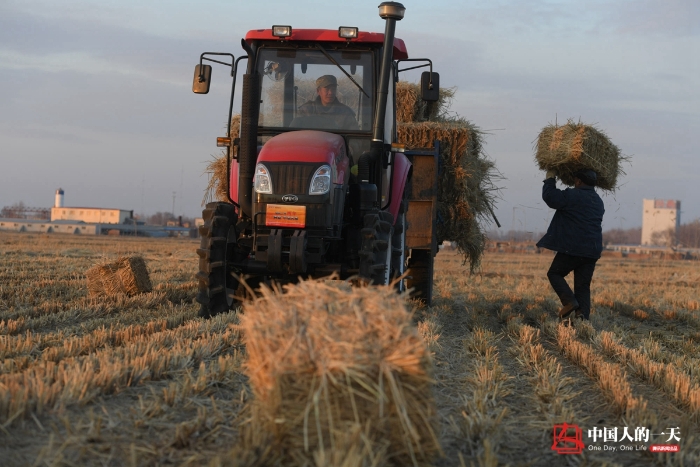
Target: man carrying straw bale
[{"x": 576, "y": 234}]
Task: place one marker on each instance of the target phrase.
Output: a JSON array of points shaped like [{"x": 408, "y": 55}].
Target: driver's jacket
[{"x": 342, "y": 117}]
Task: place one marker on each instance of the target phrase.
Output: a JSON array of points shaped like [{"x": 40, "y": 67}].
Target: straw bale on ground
[
  {"x": 574, "y": 146},
  {"x": 127, "y": 275},
  {"x": 337, "y": 373}
]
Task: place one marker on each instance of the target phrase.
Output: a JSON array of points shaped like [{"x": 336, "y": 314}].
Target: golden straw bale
[
  {"x": 338, "y": 373},
  {"x": 133, "y": 275},
  {"x": 127, "y": 275},
  {"x": 575, "y": 146},
  {"x": 411, "y": 108}
]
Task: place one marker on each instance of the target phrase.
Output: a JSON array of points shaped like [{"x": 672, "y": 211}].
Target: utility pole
[{"x": 173, "y": 211}]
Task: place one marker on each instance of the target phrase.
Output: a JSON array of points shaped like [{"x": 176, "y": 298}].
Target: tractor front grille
[{"x": 291, "y": 178}]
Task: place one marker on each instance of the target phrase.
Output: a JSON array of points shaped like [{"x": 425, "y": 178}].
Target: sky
[{"x": 96, "y": 95}]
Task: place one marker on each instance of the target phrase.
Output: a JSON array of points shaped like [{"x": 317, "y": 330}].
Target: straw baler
[{"x": 310, "y": 195}]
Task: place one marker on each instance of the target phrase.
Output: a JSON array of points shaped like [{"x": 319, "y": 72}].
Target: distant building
[
  {"x": 91, "y": 215},
  {"x": 661, "y": 220}
]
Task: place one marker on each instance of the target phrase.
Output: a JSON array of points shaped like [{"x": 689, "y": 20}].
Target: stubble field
[{"x": 142, "y": 381}]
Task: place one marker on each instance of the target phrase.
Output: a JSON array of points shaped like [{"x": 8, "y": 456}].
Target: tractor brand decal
[
  {"x": 290, "y": 198},
  {"x": 279, "y": 215}
]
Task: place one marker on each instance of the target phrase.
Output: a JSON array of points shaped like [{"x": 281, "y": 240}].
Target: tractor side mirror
[
  {"x": 202, "y": 79},
  {"x": 430, "y": 86}
]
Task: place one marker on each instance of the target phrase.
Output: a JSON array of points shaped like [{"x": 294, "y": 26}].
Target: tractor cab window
[{"x": 305, "y": 89}]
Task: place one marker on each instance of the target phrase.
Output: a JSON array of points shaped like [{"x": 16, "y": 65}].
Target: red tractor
[{"x": 316, "y": 181}]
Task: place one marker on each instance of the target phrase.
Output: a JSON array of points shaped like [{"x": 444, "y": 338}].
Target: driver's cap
[{"x": 326, "y": 80}]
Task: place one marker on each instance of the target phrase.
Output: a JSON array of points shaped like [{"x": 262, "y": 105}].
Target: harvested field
[{"x": 140, "y": 380}]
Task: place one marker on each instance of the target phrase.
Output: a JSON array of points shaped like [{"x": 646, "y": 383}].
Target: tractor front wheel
[
  {"x": 217, "y": 284},
  {"x": 375, "y": 252}
]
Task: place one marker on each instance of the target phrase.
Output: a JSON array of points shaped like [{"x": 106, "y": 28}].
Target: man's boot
[{"x": 568, "y": 309}]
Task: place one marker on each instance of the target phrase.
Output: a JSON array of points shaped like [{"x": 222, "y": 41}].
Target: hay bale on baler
[
  {"x": 466, "y": 189},
  {"x": 411, "y": 108},
  {"x": 575, "y": 146},
  {"x": 127, "y": 275},
  {"x": 338, "y": 372}
]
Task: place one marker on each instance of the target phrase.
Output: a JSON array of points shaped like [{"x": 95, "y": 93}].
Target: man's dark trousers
[{"x": 583, "y": 269}]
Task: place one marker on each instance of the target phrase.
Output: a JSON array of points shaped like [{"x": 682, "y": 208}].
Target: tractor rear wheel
[
  {"x": 375, "y": 251},
  {"x": 217, "y": 286}
]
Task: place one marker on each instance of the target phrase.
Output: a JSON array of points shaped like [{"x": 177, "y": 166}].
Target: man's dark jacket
[
  {"x": 576, "y": 228},
  {"x": 341, "y": 115}
]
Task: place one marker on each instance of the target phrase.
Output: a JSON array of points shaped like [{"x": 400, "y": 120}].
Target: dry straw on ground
[
  {"x": 127, "y": 275},
  {"x": 574, "y": 146},
  {"x": 338, "y": 373}
]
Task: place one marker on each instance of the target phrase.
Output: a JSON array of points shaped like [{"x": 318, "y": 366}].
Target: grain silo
[{"x": 59, "y": 198}]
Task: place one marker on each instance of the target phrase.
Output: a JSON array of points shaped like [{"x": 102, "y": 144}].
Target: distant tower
[
  {"x": 661, "y": 220},
  {"x": 59, "y": 198}
]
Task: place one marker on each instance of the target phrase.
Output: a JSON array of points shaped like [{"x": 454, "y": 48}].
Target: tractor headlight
[
  {"x": 321, "y": 182},
  {"x": 262, "y": 181}
]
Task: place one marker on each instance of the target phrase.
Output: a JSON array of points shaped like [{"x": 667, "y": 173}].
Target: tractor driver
[{"x": 327, "y": 105}]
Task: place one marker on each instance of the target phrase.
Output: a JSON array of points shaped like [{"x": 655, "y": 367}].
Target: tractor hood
[
  {"x": 309, "y": 147},
  {"x": 303, "y": 146}
]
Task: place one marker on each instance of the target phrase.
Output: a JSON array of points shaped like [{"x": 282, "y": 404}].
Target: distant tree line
[
  {"x": 631, "y": 236},
  {"x": 162, "y": 218},
  {"x": 688, "y": 236}
]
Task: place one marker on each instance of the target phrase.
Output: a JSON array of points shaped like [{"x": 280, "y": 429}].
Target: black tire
[
  {"x": 399, "y": 250},
  {"x": 420, "y": 275},
  {"x": 217, "y": 286},
  {"x": 375, "y": 250}
]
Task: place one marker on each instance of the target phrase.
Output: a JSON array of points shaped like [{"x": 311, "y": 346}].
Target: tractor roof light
[
  {"x": 347, "y": 32},
  {"x": 391, "y": 10},
  {"x": 281, "y": 31}
]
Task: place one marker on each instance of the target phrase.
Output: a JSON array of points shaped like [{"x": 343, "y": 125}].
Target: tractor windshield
[{"x": 305, "y": 89}]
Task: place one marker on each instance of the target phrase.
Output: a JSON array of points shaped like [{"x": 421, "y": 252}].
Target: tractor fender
[{"x": 399, "y": 177}]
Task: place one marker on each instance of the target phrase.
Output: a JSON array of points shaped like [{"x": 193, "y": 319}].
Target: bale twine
[
  {"x": 575, "y": 146},
  {"x": 337, "y": 373},
  {"x": 127, "y": 275}
]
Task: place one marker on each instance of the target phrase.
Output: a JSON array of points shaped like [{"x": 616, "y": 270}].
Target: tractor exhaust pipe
[
  {"x": 391, "y": 12},
  {"x": 248, "y": 150}
]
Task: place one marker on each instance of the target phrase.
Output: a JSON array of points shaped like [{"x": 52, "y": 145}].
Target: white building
[
  {"x": 661, "y": 220},
  {"x": 91, "y": 215}
]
